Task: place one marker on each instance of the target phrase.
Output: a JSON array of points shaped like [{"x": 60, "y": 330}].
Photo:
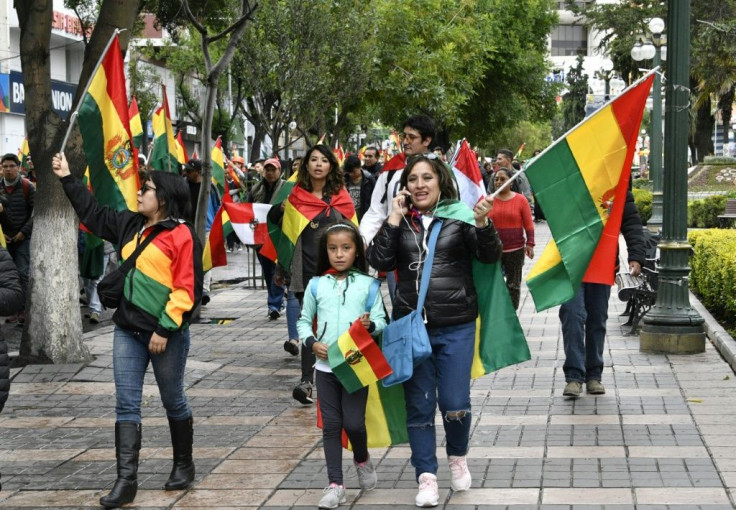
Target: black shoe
[
  {"x": 182, "y": 472},
  {"x": 205, "y": 299},
  {"x": 273, "y": 315},
  {"x": 291, "y": 348},
  {"x": 303, "y": 393},
  {"x": 127, "y": 449}
]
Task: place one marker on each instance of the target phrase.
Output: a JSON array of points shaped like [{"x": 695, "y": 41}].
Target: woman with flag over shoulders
[
  {"x": 427, "y": 196},
  {"x": 318, "y": 199},
  {"x": 152, "y": 318}
]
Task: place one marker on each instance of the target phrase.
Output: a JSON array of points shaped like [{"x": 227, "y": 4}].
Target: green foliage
[
  {"x": 533, "y": 135},
  {"x": 642, "y": 184},
  {"x": 704, "y": 213},
  {"x": 573, "y": 102},
  {"x": 713, "y": 274},
  {"x": 643, "y": 201},
  {"x": 719, "y": 160}
]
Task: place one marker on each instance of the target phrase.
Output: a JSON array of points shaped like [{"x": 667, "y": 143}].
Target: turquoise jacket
[{"x": 337, "y": 305}]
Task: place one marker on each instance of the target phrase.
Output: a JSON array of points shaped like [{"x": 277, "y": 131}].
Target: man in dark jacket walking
[
  {"x": 584, "y": 316},
  {"x": 359, "y": 184},
  {"x": 16, "y": 218},
  {"x": 11, "y": 300}
]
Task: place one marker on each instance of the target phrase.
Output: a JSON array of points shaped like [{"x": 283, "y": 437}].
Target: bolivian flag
[
  {"x": 106, "y": 136},
  {"x": 581, "y": 181},
  {"x": 136, "y": 127},
  {"x": 181, "y": 151},
  {"x": 218, "y": 167},
  {"x": 24, "y": 155},
  {"x": 300, "y": 208},
  {"x": 356, "y": 360},
  {"x": 163, "y": 155}
]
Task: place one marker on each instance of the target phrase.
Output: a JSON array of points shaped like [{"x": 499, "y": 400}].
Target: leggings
[
  {"x": 341, "y": 410},
  {"x": 513, "y": 262}
]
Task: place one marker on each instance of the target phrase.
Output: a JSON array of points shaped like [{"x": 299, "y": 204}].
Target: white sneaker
[
  {"x": 334, "y": 496},
  {"x": 367, "y": 477},
  {"x": 428, "y": 494},
  {"x": 461, "y": 478}
]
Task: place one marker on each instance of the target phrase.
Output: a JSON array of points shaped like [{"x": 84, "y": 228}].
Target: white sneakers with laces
[
  {"x": 428, "y": 495},
  {"x": 334, "y": 496},
  {"x": 461, "y": 478}
]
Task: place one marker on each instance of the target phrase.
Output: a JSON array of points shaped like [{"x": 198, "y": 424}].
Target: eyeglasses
[
  {"x": 416, "y": 157},
  {"x": 410, "y": 136},
  {"x": 146, "y": 187}
]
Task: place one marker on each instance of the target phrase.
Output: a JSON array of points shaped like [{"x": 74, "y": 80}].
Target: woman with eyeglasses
[
  {"x": 428, "y": 199},
  {"x": 152, "y": 319}
]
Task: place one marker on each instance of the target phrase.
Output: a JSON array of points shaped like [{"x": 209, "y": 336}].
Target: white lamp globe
[{"x": 656, "y": 25}]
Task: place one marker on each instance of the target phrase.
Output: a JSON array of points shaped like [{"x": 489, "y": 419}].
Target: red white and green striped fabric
[
  {"x": 581, "y": 182},
  {"x": 467, "y": 174},
  {"x": 356, "y": 359},
  {"x": 106, "y": 137}
]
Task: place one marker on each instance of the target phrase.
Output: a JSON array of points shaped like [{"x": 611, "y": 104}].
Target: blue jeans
[
  {"x": 293, "y": 309},
  {"x": 130, "y": 361},
  {"x": 443, "y": 379},
  {"x": 583, "y": 321},
  {"x": 90, "y": 288},
  {"x": 20, "y": 251},
  {"x": 275, "y": 292}
]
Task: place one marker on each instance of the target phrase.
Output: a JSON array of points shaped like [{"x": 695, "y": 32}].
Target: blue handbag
[{"x": 405, "y": 340}]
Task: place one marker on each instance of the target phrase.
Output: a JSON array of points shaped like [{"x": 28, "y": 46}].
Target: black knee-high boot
[
  {"x": 182, "y": 437},
  {"x": 127, "y": 449}
]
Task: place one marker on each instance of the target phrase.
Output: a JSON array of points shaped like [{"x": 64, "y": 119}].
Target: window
[{"x": 569, "y": 40}]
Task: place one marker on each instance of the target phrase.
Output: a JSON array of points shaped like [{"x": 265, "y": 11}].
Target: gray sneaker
[
  {"x": 595, "y": 387},
  {"x": 367, "y": 477},
  {"x": 573, "y": 389},
  {"x": 334, "y": 496}
]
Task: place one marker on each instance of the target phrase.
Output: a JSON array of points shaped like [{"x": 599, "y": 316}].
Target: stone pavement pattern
[{"x": 662, "y": 436}]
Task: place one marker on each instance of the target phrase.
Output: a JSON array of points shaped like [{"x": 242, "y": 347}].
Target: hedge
[
  {"x": 713, "y": 274},
  {"x": 643, "y": 200}
]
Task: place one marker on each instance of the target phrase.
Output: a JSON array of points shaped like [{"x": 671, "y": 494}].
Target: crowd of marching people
[{"x": 338, "y": 229}]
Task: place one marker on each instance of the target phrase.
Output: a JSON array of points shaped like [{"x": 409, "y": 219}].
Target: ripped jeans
[{"x": 444, "y": 380}]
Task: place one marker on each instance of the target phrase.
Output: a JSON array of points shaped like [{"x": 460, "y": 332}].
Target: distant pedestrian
[
  {"x": 513, "y": 220},
  {"x": 359, "y": 184},
  {"x": 336, "y": 300},
  {"x": 11, "y": 300},
  {"x": 152, "y": 317},
  {"x": 370, "y": 161}
]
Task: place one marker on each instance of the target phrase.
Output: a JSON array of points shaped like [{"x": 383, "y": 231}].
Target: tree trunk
[
  {"x": 725, "y": 104},
  {"x": 53, "y": 330},
  {"x": 704, "y": 122}
]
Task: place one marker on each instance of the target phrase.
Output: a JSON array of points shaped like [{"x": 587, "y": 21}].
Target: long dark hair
[
  {"x": 447, "y": 184},
  {"x": 172, "y": 194},
  {"x": 335, "y": 181},
  {"x": 323, "y": 259}
]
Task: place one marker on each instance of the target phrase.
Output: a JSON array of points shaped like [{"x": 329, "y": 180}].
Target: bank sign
[{"x": 13, "y": 96}]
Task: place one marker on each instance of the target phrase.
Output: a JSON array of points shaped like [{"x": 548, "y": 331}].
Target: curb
[{"x": 724, "y": 343}]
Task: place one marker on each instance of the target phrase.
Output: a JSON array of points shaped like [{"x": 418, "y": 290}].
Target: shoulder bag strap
[
  {"x": 130, "y": 261},
  {"x": 428, "y": 261}
]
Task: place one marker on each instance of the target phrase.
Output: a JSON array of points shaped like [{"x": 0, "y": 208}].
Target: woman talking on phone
[
  {"x": 152, "y": 318},
  {"x": 450, "y": 311}
]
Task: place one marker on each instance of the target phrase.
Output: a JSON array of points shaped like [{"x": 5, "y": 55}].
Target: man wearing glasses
[
  {"x": 16, "y": 218},
  {"x": 416, "y": 137}
]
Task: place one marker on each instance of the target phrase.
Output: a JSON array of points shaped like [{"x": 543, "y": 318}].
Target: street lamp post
[
  {"x": 605, "y": 73},
  {"x": 672, "y": 325},
  {"x": 654, "y": 49}
]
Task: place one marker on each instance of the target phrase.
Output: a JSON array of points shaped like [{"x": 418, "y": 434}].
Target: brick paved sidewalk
[{"x": 662, "y": 436}]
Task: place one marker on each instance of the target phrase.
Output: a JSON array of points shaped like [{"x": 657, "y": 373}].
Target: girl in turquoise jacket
[{"x": 337, "y": 299}]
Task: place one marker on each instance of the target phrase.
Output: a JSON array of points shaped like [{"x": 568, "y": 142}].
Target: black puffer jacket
[
  {"x": 451, "y": 298},
  {"x": 11, "y": 301},
  {"x": 17, "y": 215}
]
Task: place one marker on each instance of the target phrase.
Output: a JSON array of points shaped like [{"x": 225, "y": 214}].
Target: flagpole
[
  {"x": 610, "y": 101},
  {"x": 167, "y": 115},
  {"x": 75, "y": 113}
]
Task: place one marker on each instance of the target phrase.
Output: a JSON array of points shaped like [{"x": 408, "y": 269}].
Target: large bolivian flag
[
  {"x": 164, "y": 154},
  {"x": 581, "y": 181},
  {"x": 356, "y": 359},
  {"x": 106, "y": 137}
]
